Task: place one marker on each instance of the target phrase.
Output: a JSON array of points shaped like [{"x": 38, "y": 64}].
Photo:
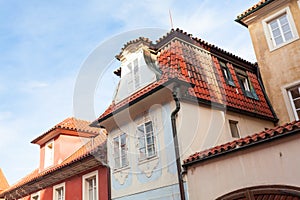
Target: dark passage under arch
[{"x": 270, "y": 192}]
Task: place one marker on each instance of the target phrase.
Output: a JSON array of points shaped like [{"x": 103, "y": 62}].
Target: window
[
  {"x": 35, "y": 196},
  {"x": 49, "y": 154},
  {"x": 59, "y": 192},
  {"x": 234, "y": 129},
  {"x": 134, "y": 79},
  {"x": 146, "y": 141},
  {"x": 246, "y": 85},
  {"x": 226, "y": 74},
  {"x": 294, "y": 95},
  {"x": 90, "y": 186},
  {"x": 120, "y": 151},
  {"x": 280, "y": 29}
]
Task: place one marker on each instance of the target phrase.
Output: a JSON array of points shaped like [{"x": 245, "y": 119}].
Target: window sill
[
  {"x": 121, "y": 169},
  {"x": 152, "y": 158},
  {"x": 273, "y": 48}
]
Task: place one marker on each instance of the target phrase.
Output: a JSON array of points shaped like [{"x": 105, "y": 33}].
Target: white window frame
[
  {"x": 292, "y": 101},
  {"x": 85, "y": 185},
  {"x": 135, "y": 75},
  {"x": 56, "y": 188},
  {"x": 235, "y": 124},
  {"x": 268, "y": 33},
  {"x": 34, "y": 195},
  {"x": 119, "y": 153},
  {"x": 146, "y": 145},
  {"x": 49, "y": 154},
  {"x": 287, "y": 100}
]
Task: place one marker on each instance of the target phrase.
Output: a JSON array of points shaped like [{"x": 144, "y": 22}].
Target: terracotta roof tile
[
  {"x": 186, "y": 62},
  {"x": 183, "y": 61},
  {"x": 3, "y": 182},
  {"x": 256, "y": 138},
  {"x": 254, "y": 8},
  {"x": 86, "y": 150},
  {"x": 71, "y": 124}
]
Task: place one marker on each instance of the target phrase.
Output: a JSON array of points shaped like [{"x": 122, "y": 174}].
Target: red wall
[{"x": 73, "y": 186}]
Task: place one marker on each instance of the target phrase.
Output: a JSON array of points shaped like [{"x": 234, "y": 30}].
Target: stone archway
[{"x": 273, "y": 192}]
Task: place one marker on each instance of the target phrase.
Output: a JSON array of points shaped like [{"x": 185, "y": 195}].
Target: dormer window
[
  {"x": 134, "y": 73},
  {"x": 49, "y": 154},
  {"x": 226, "y": 74},
  {"x": 246, "y": 85}
]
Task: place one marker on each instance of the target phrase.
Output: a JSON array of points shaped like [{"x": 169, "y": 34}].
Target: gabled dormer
[
  {"x": 63, "y": 140},
  {"x": 137, "y": 70}
]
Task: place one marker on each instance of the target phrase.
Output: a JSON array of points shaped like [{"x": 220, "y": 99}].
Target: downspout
[
  {"x": 176, "y": 146},
  {"x": 260, "y": 81}
]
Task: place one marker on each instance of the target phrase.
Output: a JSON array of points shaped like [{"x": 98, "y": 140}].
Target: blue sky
[{"x": 45, "y": 43}]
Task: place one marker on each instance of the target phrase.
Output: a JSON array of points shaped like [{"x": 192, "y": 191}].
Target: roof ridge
[
  {"x": 72, "y": 124},
  {"x": 252, "y": 9},
  {"x": 200, "y": 41},
  {"x": 3, "y": 181}
]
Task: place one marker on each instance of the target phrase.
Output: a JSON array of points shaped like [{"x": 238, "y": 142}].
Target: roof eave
[
  {"x": 66, "y": 171},
  {"x": 238, "y": 148},
  {"x": 240, "y": 18}
]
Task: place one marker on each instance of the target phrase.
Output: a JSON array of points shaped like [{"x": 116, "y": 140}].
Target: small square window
[
  {"x": 294, "y": 95},
  {"x": 226, "y": 73},
  {"x": 234, "y": 129}
]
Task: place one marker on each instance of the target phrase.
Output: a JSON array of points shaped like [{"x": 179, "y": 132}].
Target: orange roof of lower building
[
  {"x": 3, "y": 182},
  {"x": 94, "y": 147},
  {"x": 257, "y": 138},
  {"x": 70, "y": 125}
]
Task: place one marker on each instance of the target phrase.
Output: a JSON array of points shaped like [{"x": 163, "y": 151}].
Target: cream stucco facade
[
  {"x": 138, "y": 174},
  {"x": 202, "y": 127},
  {"x": 279, "y": 65},
  {"x": 271, "y": 163},
  {"x": 199, "y": 127}
]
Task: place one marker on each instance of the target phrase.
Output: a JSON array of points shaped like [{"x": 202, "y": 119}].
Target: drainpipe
[
  {"x": 176, "y": 146},
  {"x": 260, "y": 81}
]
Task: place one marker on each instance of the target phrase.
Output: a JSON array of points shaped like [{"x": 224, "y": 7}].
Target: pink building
[{"x": 72, "y": 158}]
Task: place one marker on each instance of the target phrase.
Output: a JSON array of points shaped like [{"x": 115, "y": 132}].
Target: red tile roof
[
  {"x": 76, "y": 126},
  {"x": 89, "y": 149},
  {"x": 253, "y": 9},
  {"x": 180, "y": 60},
  {"x": 3, "y": 182},
  {"x": 279, "y": 131}
]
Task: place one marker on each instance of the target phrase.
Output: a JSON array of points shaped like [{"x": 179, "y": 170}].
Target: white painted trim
[
  {"x": 84, "y": 184},
  {"x": 35, "y": 194},
  {"x": 287, "y": 100},
  {"x": 61, "y": 185},
  {"x": 49, "y": 163},
  {"x": 267, "y": 30}
]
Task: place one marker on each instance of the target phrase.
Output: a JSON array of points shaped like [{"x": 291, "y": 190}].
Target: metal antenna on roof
[{"x": 171, "y": 21}]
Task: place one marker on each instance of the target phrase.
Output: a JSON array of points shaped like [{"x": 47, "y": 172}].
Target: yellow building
[{"x": 274, "y": 26}]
